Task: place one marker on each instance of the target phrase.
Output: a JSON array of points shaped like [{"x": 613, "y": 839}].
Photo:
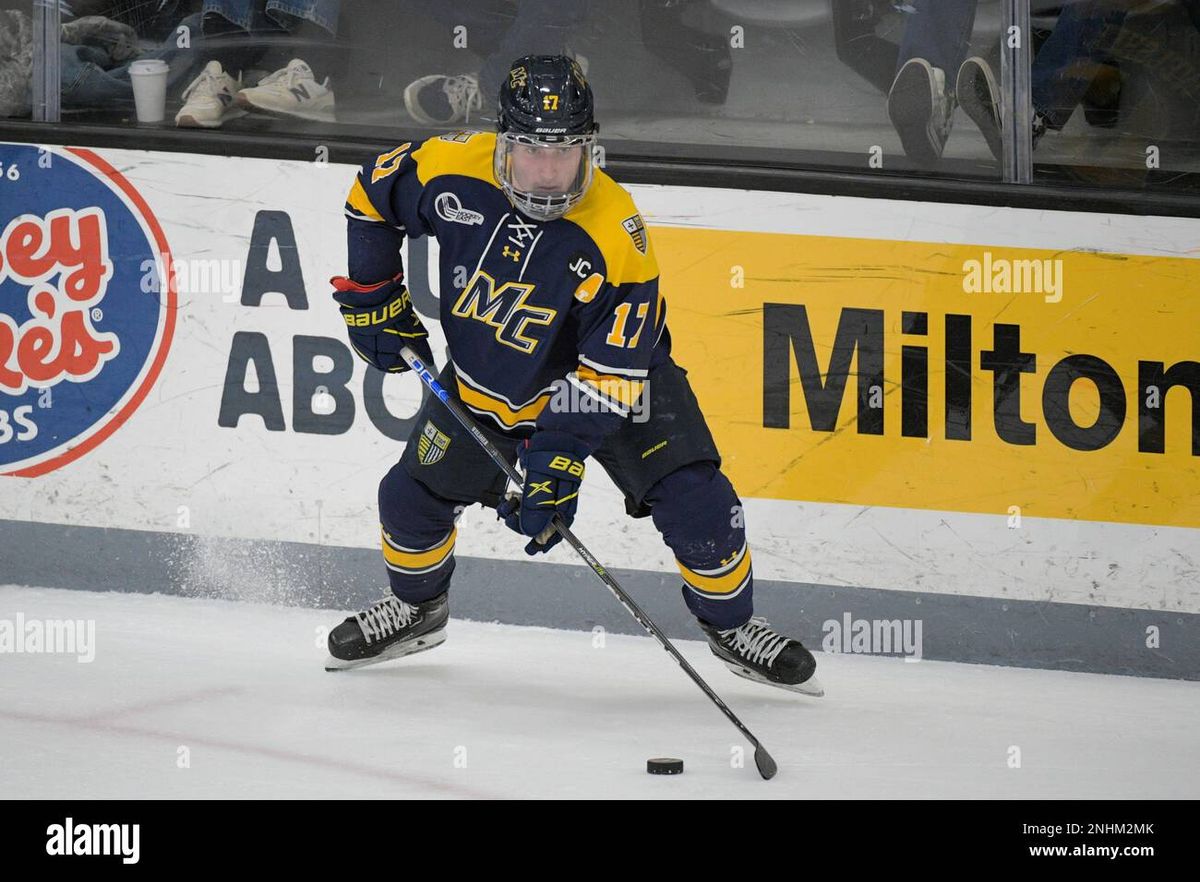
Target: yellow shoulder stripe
[
  {"x": 471, "y": 157},
  {"x": 607, "y": 214},
  {"x": 360, "y": 203}
]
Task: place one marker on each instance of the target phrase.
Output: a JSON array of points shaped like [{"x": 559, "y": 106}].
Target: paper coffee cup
[{"x": 149, "y": 80}]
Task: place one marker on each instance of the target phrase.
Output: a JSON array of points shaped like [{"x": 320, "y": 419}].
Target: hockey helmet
[{"x": 546, "y": 132}]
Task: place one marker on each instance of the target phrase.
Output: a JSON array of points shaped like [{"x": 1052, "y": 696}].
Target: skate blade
[
  {"x": 810, "y": 687},
  {"x": 400, "y": 650}
]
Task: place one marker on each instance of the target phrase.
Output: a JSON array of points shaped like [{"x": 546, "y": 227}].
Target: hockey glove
[
  {"x": 381, "y": 319},
  {"x": 553, "y": 463}
]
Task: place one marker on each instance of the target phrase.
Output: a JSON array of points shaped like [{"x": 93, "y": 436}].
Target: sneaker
[
  {"x": 921, "y": 110},
  {"x": 758, "y": 653},
  {"x": 439, "y": 100},
  {"x": 291, "y": 91},
  {"x": 979, "y": 96},
  {"x": 210, "y": 99},
  {"x": 390, "y": 629}
]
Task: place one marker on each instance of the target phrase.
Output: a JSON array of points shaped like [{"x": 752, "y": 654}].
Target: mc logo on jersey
[{"x": 84, "y": 329}]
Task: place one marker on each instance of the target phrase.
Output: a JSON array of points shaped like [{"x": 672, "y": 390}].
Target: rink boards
[{"x": 971, "y": 423}]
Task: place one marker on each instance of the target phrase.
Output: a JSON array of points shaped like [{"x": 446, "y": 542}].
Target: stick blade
[{"x": 765, "y": 762}]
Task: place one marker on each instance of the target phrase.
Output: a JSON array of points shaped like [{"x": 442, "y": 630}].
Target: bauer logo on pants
[
  {"x": 432, "y": 444},
  {"x": 84, "y": 326}
]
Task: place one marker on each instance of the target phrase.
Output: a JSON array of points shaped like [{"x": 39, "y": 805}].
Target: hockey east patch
[{"x": 432, "y": 444}]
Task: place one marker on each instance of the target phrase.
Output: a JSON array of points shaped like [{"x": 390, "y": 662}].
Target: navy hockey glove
[
  {"x": 553, "y": 463},
  {"x": 381, "y": 319}
]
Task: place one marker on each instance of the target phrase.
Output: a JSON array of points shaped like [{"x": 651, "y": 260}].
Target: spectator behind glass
[
  {"x": 684, "y": 33},
  {"x": 247, "y": 29},
  {"x": 95, "y": 53},
  {"x": 936, "y": 39}
]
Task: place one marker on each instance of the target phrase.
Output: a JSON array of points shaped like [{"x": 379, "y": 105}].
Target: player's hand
[
  {"x": 553, "y": 463},
  {"x": 380, "y": 319}
]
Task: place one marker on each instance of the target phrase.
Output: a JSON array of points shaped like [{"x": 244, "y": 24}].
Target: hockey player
[{"x": 562, "y": 297}]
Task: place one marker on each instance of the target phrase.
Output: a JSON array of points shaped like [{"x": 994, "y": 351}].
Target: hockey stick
[{"x": 762, "y": 759}]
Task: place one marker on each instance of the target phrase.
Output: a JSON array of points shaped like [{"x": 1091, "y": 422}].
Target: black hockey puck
[{"x": 664, "y": 765}]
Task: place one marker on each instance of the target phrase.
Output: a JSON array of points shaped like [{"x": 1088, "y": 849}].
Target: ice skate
[
  {"x": 758, "y": 653},
  {"x": 390, "y": 629}
]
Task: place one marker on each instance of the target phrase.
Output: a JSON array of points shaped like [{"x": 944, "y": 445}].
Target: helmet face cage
[{"x": 538, "y": 204}]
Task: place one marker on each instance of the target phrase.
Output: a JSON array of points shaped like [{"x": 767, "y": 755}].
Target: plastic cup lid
[{"x": 148, "y": 66}]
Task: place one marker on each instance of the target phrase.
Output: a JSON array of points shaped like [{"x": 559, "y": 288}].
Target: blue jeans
[
  {"x": 1083, "y": 31},
  {"x": 255, "y": 15},
  {"x": 90, "y": 78},
  {"x": 940, "y": 32},
  {"x": 533, "y": 27}
]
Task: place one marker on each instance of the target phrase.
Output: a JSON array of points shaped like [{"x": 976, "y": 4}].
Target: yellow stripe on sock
[
  {"x": 722, "y": 584},
  {"x": 418, "y": 560}
]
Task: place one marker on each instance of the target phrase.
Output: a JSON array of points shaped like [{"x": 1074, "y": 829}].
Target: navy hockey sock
[
  {"x": 418, "y": 536},
  {"x": 700, "y": 518}
]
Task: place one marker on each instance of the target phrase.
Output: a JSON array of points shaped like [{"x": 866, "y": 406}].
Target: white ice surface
[{"x": 542, "y": 713}]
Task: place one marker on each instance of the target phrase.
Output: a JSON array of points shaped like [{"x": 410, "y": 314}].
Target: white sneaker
[
  {"x": 439, "y": 100},
  {"x": 979, "y": 95},
  {"x": 210, "y": 99},
  {"x": 921, "y": 110},
  {"x": 291, "y": 91}
]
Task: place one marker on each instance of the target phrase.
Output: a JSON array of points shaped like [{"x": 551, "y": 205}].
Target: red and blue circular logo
[{"x": 87, "y": 306}]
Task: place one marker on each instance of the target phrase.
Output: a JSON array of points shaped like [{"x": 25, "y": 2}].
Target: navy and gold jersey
[{"x": 573, "y": 298}]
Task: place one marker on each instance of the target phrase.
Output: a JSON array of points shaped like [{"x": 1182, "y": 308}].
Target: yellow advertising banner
[{"x": 1010, "y": 381}]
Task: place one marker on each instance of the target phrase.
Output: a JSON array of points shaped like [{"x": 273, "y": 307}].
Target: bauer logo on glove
[
  {"x": 553, "y": 463},
  {"x": 381, "y": 320},
  {"x": 380, "y": 316}
]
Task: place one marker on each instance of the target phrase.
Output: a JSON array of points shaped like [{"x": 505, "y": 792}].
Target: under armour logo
[{"x": 508, "y": 252}]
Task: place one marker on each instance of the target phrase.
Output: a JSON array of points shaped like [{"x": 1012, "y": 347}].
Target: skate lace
[
  {"x": 463, "y": 94},
  {"x": 755, "y": 641},
  {"x": 386, "y": 618}
]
